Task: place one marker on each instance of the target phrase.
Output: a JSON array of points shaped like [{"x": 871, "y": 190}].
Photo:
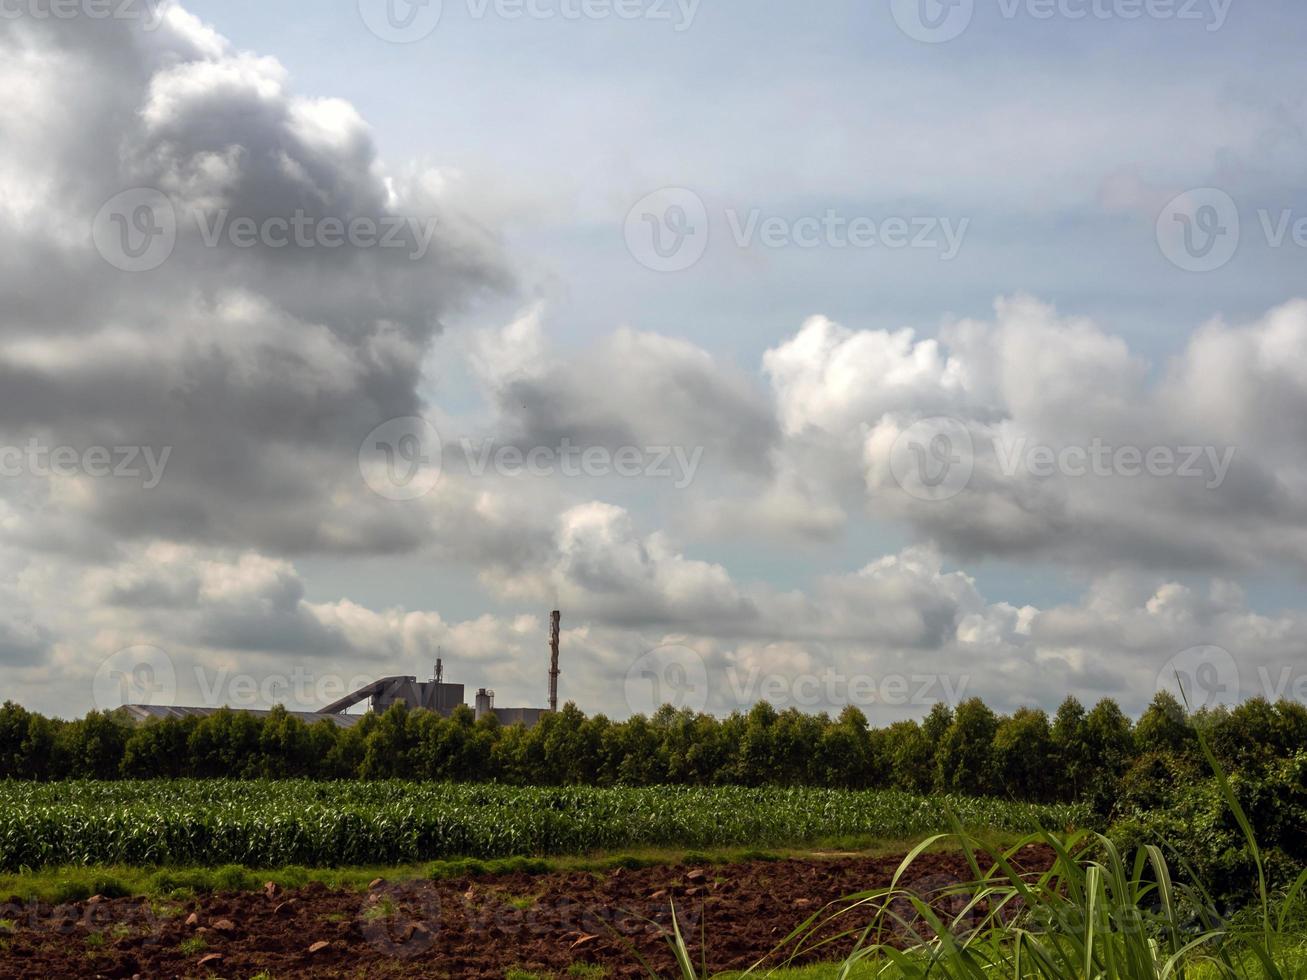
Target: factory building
[{"x": 434, "y": 695}]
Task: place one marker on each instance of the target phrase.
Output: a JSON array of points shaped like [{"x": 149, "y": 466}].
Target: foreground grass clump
[
  {"x": 1095, "y": 913},
  {"x": 314, "y": 824}
]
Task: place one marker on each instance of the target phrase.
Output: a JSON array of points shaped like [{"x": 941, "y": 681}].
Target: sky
[{"x": 875, "y": 353}]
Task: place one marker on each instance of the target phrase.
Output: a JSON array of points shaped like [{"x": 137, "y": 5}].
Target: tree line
[{"x": 1097, "y": 756}]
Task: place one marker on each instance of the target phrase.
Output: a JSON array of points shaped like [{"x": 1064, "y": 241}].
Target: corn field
[{"x": 268, "y": 824}]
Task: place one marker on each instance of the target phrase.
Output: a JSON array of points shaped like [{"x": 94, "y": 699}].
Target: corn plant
[{"x": 264, "y": 824}]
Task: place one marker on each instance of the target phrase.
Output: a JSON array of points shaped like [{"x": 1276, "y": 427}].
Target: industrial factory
[{"x": 434, "y": 695}]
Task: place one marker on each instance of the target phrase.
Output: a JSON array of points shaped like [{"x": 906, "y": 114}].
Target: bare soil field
[{"x": 480, "y": 927}]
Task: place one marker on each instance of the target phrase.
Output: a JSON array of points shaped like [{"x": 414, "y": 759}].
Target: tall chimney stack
[{"x": 555, "y": 623}]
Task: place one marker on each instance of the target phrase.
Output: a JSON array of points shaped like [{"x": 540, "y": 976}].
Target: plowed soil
[{"x": 472, "y": 927}]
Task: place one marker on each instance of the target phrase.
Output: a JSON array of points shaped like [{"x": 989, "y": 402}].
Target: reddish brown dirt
[{"x": 472, "y": 927}]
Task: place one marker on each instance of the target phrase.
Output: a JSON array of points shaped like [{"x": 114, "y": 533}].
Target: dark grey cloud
[
  {"x": 638, "y": 390},
  {"x": 262, "y": 368},
  {"x": 23, "y": 643}
]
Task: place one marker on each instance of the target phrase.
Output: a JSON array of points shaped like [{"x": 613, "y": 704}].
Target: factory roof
[{"x": 146, "y": 712}]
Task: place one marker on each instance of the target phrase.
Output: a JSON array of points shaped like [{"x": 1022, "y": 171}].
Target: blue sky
[
  {"x": 1016, "y": 124},
  {"x": 794, "y": 110}
]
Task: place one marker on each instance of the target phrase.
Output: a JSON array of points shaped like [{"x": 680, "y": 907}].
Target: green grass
[
  {"x": 166, "y": 886},
  {"x": 1296, "y": 963},
  {"x": 586, "y": 971},
  {"x": 384, "y": 909},
  {"x": 193, "y": 946},
  {"x": 313, "y": 824}
]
